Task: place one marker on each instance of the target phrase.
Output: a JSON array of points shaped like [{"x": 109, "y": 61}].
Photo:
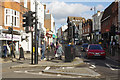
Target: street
[{"x": 107, "y": 68}]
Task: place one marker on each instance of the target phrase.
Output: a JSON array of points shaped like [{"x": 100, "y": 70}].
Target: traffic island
[
  {"x": 44, "y": 63},
  {"x": 84, "y": 72}
]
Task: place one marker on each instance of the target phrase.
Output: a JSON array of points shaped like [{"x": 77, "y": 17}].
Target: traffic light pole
[
  {"x": 36, "y": 53},
  {"x": 12, "y": 39},
  {"x": 32, "y": 47}
]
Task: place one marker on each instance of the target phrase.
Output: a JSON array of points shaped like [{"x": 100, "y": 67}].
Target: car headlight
[
  {"x": 91, "y": 52},
  {"x": 102, "y": 52}
]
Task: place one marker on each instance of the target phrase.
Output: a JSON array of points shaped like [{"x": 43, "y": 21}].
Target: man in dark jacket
[
  {"x": 21, "y": 53},
  {"x": 43, "y": 50}
]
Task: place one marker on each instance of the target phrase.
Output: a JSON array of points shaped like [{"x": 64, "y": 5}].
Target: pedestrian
[
  {"x": 59, "y": 52},
  {"x": 48, "y": 52},
  {"x": 8, "y": 47},
  {"x": 21, "y": 53},
  {"x": 5, "y": 50},
  {"x": 56, "y": 47},
  {"x": 113, "y": 47},
  {"x": 12, "y": 51},
  {"x": 42, "y": 50}
]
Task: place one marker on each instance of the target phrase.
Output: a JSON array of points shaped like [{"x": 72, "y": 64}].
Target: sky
[{"x": 61, "y": 9}]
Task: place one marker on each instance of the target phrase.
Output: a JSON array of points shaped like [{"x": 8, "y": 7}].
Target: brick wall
[
  {"x": 1, "y": 14},
  {"x": 47, "y": 24}
]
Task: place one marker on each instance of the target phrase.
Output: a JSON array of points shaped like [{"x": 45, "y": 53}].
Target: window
[
  {"x": 17, "y": 1},
  {"x": 25, "y": 3},
  {"x": 88, "y": 30},
  {"x": 12, "y": 16}
]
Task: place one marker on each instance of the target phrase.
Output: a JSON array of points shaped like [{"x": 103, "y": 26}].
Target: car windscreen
[
  {"x": 95, "y": 47},
  {"x": 85, "y": 45}
]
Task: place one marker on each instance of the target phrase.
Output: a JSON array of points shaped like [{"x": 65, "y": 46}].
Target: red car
[{"x": 95, "y": 50}]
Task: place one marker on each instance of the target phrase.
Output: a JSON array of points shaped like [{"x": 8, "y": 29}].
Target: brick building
[
  {"x": 49, "y": 24},
  {"x": 109, "y": 22},
  {"x": 12, "y": 11},
  {"x": 87, "y": 30},
  {"x": 73, "y": 28}
]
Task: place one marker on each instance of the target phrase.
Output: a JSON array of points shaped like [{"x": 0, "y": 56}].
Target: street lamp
[{"x": 94, "y": 9}]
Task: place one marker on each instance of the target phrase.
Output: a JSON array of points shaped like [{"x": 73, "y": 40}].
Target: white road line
[
  {"x": 19, "y": 71},
  {"x": 40, "y": 73},
  {"x": 92, "y": 66},
  {"x": 110, "y": 67},
  {"x": 47, "y": 68}
]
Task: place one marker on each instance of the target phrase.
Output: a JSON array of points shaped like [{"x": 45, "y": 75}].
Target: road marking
[
  {"x": 92, "y": 66},
  {"x": 47, "y": 68},
  {"x": 19, "y": 71},
  {"x": 40, "y": 73},
  {"x": 69, "y": 67},
  {"x": 110, "y": 67},
  {"x": 59, "y": 75}
]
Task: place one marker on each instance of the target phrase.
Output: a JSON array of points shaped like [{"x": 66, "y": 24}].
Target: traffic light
[
  {"x": 31, "y": 18},
  {"x": 27, "y": 29},
  {"x": 10, "y": 30},
  {"x": 25, "y": 20}
]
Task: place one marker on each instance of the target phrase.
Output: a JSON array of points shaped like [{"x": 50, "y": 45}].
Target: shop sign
[
  {"x": 48, "y": 35},
  {"x": 9, "y": 36},
  {"x": 53, "y": 36}
]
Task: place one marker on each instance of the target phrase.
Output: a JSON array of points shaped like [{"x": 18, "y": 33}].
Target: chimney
[
  {"x": 47, "y": 11},
  {"x": 116, "y": 0},
  {"x": 45, "y": 6},
  {"x": 98, "y": 13}
]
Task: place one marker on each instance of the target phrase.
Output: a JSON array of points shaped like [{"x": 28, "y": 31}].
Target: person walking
[
  {"x": 59, "y": 52},
  {"x": 48, "y": 52},
  {"x": 21, "y": 53},
  {"x": 5, "y": 50},
  {"x": 113, "y": 47},
  {"x": 12, "y": 51},
  {"x": 42, "y": 50},
  {"x": 56, "y": 47}
]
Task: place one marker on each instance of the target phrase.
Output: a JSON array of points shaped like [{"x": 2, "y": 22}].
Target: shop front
[{"x": 7, "y": 39}]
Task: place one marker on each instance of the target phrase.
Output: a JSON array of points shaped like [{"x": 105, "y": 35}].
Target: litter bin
[{"x": 69, "y": 53}]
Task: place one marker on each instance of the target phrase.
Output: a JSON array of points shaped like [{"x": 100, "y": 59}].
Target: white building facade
[
  {"x": 40, "y": 26},
  {"x": 97, "y": 26}
]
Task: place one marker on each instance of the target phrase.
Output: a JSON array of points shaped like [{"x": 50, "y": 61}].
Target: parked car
[
  {"x": 95, "y": 50},
  {"x": 84, "y": 46}
]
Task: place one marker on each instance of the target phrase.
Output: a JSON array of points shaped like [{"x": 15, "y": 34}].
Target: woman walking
[
  {"x": 59, "y": 52},
  {"x": 21, "y": 53}
]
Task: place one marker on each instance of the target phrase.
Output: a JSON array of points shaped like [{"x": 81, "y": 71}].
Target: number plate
[{"x": 97, "y": 54}]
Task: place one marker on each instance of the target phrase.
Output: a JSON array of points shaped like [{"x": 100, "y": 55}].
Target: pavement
[
  {"x": 116, "y": 57},
  {"x": 52, "y": 63},
  {"x": 62, "y": 67},
  {"x": 9, "y": 59}
]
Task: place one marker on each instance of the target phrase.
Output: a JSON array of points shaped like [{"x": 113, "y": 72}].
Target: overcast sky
[{"x": 61, "y": 9}]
